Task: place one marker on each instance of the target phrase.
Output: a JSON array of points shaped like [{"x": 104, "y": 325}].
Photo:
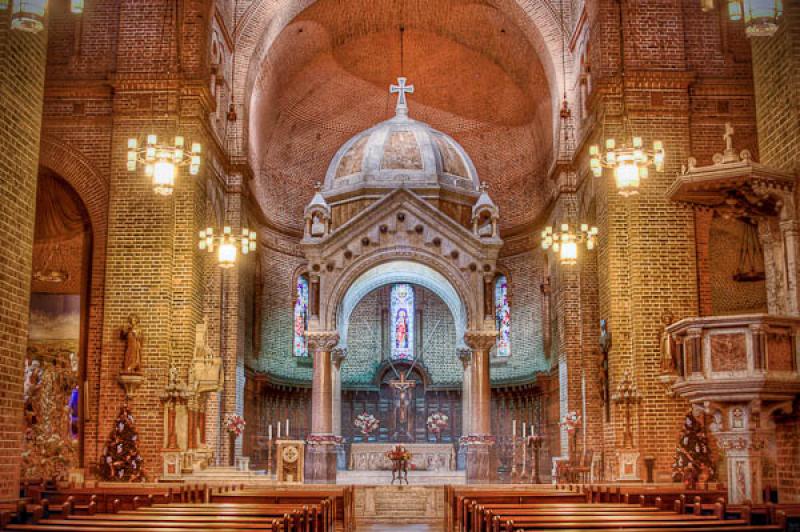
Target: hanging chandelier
[
  {"x": 161, "y": 162},
  {"x": 631, "y": 162},
  {"x": 566, "y": 240},
  {"x": 760, "y": 16},
  {"x": 227, "y": 245},
  {"x": 29, "y": 15}
]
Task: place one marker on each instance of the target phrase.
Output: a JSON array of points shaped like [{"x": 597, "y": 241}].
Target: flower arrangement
[
  {"x": 437, "y": 422},
  {"x": 571, "y": 421},
  {"x": 234, "y": 424},
  {"x": 366, "y": 423},
  {"x": 399, "y": 453}
]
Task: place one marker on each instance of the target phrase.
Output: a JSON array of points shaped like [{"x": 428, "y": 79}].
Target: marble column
[
  {"x": 481, "y": 452},
  {"x": 320, "y": 463},
  {"x": 465, "y": 355},
  {"x": 337, "y": 358}
]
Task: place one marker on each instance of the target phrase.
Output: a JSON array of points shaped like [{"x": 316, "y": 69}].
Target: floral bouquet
[
  {"x": 366, "y": 423},
  {"x": 437, "y": 422},
  {"x": 234, "y": 424},
  {"x": 399, "y": 453},
  {"x": 571, "y": 421}
]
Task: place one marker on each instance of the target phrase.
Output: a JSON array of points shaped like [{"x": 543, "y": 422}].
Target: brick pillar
[
  {"x": 776, "y": 76},
  {"x": 320, "y": 465},
  {"x": 481, "y": 453},
  {"x": 231, "y": 328},
  {"x": 22, "y": 61}
]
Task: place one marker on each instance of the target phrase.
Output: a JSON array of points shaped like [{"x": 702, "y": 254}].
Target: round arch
[{"x": 401, "y": 271}]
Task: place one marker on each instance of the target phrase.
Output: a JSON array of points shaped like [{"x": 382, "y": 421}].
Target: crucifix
[
  {"x": 402, "y": 89},
  {"x": 402, "y": 388}
]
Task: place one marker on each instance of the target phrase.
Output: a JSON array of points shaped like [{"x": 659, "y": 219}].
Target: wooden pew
[
  {"x": 455, "y": 497},
  {"x": 342, "y": 507}
]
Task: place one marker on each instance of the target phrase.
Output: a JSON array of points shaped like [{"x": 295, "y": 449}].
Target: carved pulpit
[{"x": 403, "y": 390}]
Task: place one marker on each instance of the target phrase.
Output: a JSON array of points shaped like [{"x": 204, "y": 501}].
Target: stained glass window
[
  {"x": 402, "y": 320},
  {"x": 301, "y": 318},
  {"x": 503, "y": 316}
]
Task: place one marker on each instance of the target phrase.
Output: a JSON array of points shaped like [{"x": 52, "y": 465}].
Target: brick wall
[
  {"x": 22, "y": 66},
  {"x": 776, "y": 70}
]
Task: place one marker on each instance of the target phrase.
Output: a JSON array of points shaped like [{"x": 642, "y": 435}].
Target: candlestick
[
  {"x": 513, "y": 427},
  {"x": 269, "y": 433},
  {"x": 524, "y": 428},
  {"x": 279, "y": 430}
]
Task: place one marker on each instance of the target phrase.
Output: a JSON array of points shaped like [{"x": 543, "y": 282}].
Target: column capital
[
  {"x": 338, "y": 355},
  {"x": 322, "y": 340},
  {"x": 465, "y": 356},
  {"x": 481, "y": 340}
]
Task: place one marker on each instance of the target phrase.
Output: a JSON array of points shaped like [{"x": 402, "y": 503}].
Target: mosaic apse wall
[{"x": 52, "y": 387}]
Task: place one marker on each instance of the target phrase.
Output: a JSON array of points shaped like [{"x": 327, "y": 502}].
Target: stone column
[
  {"x": 337, "y": 358},
  {"x": 320, "y": 464},
  {"x": 465, "y": 355},
  {"x": 481, "y": 453},
  {"x": 790, "y": 230}
]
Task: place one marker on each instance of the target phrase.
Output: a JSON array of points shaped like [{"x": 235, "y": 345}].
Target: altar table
[{"x": 424, "y": 456}]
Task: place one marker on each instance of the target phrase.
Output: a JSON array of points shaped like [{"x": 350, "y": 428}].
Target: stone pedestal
[
  {"x": 743, "y": 463},
  {"x": 320, "y": 462},
  {"x": 481, "y": 460}
]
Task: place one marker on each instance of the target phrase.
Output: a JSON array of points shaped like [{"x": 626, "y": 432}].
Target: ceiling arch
[
  {"x": 318, "y": 73},
  {"x": 401, "y": 272}
]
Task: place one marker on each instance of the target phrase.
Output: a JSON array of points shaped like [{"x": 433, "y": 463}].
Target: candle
[
  {"x": 524, "y": 428},
  {"x": 287, "y": 429},
  {"x": 279, "y": 430},
  {"x": 270, "y": 432},
  {"x": 513, "y": 427}
]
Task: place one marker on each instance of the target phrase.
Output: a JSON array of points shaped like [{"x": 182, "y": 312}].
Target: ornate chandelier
[
  {"x": 28, "y": 15},
  {"x": 161, "y": 162},
  {"x": 227, "y": 244},
  {"x": 566, "y": 240},
  {"x": 630, "y": 162},
  {"x": 760, "y": 16}
]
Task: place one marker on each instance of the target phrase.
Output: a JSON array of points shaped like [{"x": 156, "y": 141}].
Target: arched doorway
[{"x": 55, "y": 365}]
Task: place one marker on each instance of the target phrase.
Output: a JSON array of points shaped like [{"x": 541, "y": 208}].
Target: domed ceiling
[{"x": 327, "y": 77}]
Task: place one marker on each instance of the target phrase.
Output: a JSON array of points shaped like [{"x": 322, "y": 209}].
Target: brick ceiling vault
[{"x": 313, "y": 74}]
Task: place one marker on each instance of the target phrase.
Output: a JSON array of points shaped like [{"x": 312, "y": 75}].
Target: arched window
[
  {"x": 402, "y": 320},
  {"x": 502, "y": 316},
  {"x": 301, "y": 317}
]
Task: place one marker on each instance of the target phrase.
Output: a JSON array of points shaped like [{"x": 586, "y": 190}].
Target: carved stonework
[
  {"x": 206, "y": 374},
  {"x": 465, "y": 356},
  {"x": 322, "y": 341},
  {"x": 481, "y": 340}
]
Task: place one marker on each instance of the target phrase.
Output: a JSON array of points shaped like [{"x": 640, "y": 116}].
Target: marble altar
[{"x": 424, "y": 456}]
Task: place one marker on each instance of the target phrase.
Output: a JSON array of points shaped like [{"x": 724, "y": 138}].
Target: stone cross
[{"x": 402, "y": 89}]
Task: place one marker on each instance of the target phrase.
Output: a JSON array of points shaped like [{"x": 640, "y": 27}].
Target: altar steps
[{"x": 399, "y": 504}]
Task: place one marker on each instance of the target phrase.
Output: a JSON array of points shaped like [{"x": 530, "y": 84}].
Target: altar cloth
[{"x": 424, "y": 456}]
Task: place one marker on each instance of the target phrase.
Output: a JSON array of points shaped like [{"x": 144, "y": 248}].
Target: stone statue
[
  {"x": 605, "y": 337},
  {"x": 132, "y": 334},
  {"x": 669, "y": 364}
]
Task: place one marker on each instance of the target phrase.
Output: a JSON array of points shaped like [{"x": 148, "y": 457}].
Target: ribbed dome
[{"x": 401, "y": 152}]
